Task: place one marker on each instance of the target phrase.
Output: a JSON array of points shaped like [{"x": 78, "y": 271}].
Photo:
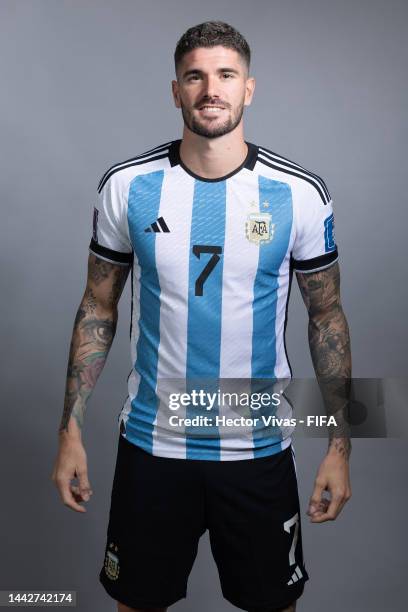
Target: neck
[{"x": 213, "y": 157}]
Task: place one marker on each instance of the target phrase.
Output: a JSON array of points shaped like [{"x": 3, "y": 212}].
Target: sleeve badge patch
[{"x": 329, "y": 238}]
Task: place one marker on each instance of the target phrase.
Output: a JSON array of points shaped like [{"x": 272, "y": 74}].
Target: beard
[{"x": 207, "y": 130}]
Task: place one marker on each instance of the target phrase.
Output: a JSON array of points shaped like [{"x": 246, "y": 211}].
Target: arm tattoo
[
  {"x": 93, "y": 333},
  {"x": 120, "y": 274},
  {"x": 329, "y": 343},
  {"x": 99, "y": 270}
]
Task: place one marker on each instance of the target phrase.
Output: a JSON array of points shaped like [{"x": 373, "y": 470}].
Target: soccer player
[{"x": 210, "y": 228}]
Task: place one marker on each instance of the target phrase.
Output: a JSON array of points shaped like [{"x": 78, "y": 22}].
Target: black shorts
[{"x": 160, "y": 507}]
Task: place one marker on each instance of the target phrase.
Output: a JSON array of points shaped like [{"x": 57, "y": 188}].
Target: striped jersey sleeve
[
  {"x": 110, "y": 237},
  {"x": 315, "y": 245}
]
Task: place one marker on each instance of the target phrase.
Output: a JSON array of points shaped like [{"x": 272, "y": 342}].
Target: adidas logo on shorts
[{"x": 297, "y": 574}]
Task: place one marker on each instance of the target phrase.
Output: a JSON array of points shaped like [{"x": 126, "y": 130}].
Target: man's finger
[
  {"x": 69, "y": 500},
  {"x": 67, "y": 495},
  {"x": 79, "y": 495},
  {"x": 84, "y": 484},
  {"x": 324, "y": 504},
  {"x": 316, "y": 498},
  {"x": 335, "y": 506}
]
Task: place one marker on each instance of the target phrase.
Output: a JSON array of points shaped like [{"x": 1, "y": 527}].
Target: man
[{"x": 210, "y": 227}]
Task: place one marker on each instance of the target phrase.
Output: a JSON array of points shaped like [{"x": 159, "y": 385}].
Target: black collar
[{"x": 249, "y": 162}]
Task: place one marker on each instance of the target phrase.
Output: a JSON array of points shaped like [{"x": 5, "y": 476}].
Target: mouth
[{"x": 211, "y": 109}]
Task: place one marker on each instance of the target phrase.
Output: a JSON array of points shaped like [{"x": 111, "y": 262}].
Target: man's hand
[
  {"x": 332, "y": 476},
  {"x": 71, "y": 463}
]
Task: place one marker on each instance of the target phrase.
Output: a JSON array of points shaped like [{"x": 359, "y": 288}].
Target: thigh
[
  {"x": 255, "y": 531},
  {"x": 155, "y": 521}
]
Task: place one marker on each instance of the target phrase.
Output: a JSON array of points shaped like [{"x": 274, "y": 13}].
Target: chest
[{"x": 201, "y": 228}]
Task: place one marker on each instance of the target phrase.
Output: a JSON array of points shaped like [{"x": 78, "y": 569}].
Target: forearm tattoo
[
  {"x": 329, "y": 342},
  {"x": 93, "y": 333}
]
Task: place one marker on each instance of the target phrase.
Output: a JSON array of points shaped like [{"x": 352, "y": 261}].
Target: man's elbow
[
  {"x": 100, "y": 306},
  {"x": 329, "y": 319}
]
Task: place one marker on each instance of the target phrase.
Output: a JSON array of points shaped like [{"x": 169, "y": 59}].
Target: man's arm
[
  {"x": 329, "y": 343},
  {"x": 93, "y": 333},
  {"x": 92, "y": 336}
]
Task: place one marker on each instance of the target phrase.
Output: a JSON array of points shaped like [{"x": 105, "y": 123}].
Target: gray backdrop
[{"x": 87, "y": 84}]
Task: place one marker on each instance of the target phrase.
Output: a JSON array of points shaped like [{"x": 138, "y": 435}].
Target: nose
[{"x": 210, "y": 87}]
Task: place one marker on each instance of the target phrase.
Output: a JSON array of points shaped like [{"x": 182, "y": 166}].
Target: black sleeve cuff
[
  {"x": 109, "y": 254},
  {"x": 316, "y": 263}
]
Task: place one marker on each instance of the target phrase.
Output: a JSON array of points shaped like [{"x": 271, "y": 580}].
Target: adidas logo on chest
[{"x": 158, "y": 226}]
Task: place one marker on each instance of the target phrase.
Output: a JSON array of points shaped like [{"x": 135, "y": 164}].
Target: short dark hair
[{"x": 210, "y": 34}]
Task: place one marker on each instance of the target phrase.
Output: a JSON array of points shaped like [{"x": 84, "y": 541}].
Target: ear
[
  {"x": 249, "y": 90},
  {"x": 176, "y": 94}
]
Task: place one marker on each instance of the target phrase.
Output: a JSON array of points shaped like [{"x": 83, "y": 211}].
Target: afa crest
[
  {"x": 112, "y": 563},
  {"x": 259, "y": 227}
]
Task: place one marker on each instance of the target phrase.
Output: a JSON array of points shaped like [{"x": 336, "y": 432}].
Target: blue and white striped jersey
[{"x": 212, "y": 263}]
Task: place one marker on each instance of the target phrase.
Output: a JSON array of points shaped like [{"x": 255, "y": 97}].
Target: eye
[
  {"x": 98, "y": 330},
  {"x": 193, "y": 77},
  {"x": 227, "y": 74}
]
